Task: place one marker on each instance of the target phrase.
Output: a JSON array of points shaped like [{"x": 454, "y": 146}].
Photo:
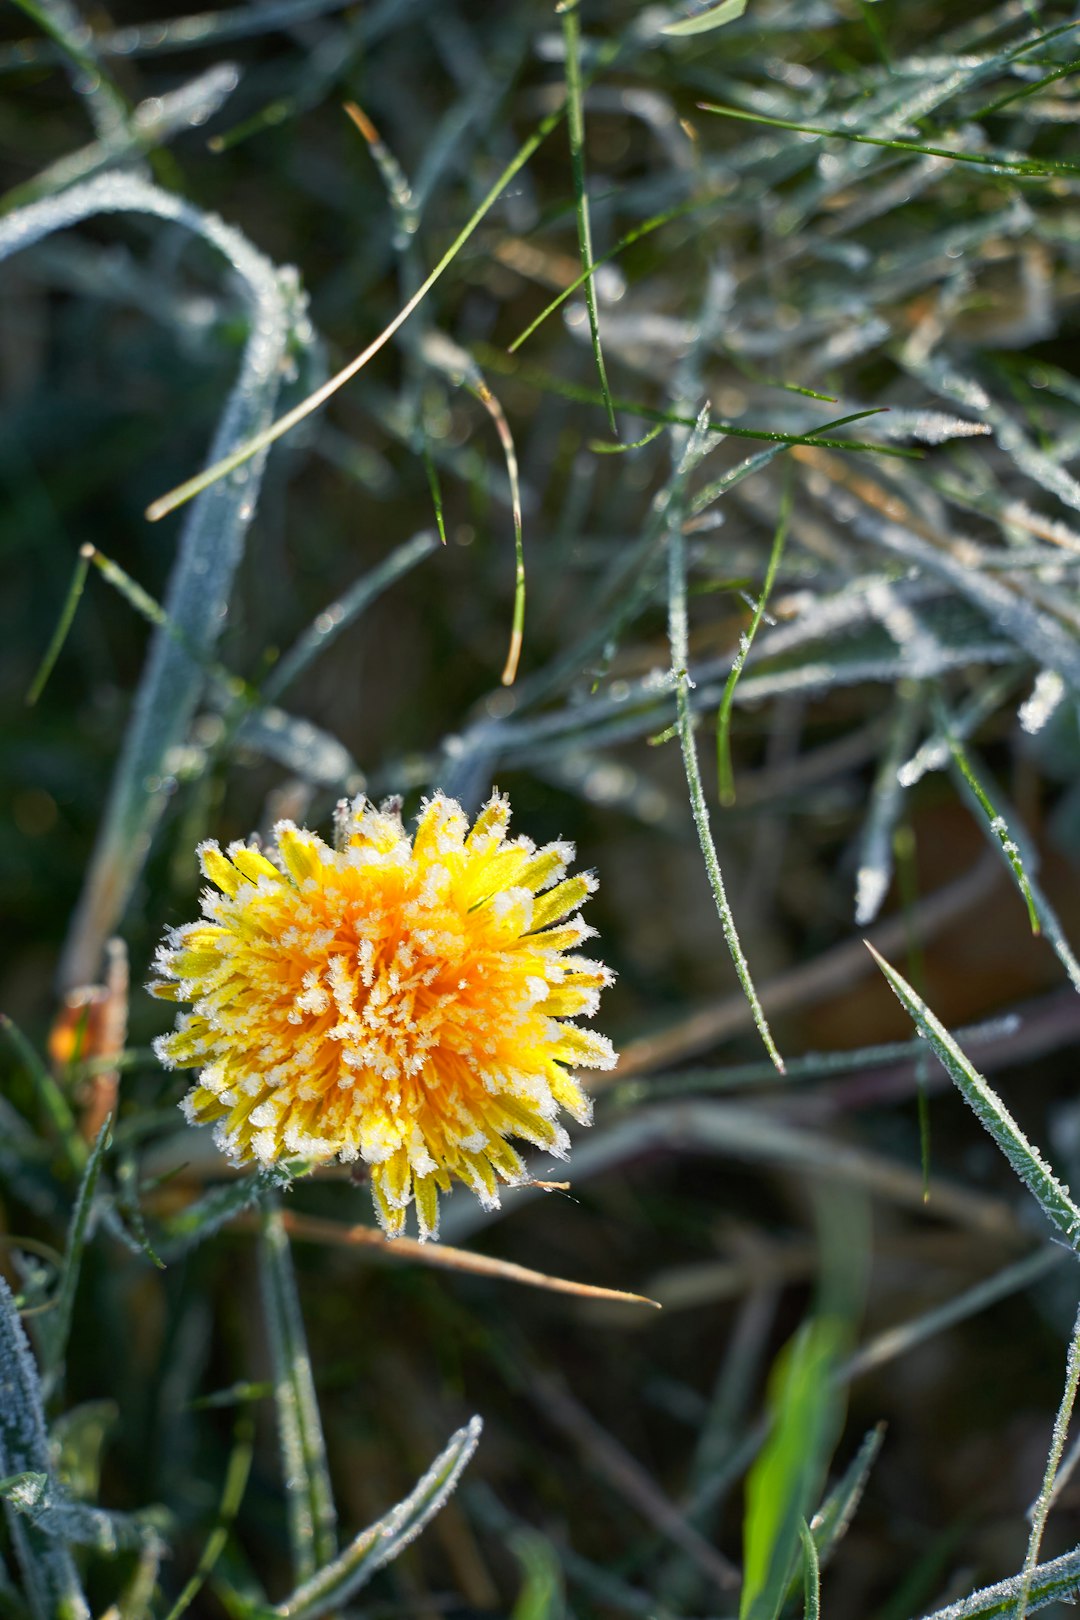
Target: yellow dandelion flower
[{"x": 402, "y": 1001}]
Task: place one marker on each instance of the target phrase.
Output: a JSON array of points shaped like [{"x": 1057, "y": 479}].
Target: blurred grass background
[{"x": 919, "y": 596}]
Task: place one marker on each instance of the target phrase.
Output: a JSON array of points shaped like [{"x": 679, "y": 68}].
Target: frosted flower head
[{"x": 402, "y": 1001}]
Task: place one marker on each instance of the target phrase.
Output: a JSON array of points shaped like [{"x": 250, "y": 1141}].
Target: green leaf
[
  {"x": 786, "y": 1478},
  {"x": 1025, "y": 1158},
  {"x": 715, "y": 17}
]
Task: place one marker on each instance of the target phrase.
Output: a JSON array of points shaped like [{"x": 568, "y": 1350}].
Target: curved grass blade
[
  {"x": 51, "y": 1584},
  {"x": 715, "y": 17},
  {"x": 384, "y": 1541},
  {"x": 262, "y": 441},
  {"x": 309, "y": 1499},
  {"x": 63, "y": 625},
  {"x": 1053, "y": 1198},
  {"x": 1053, "y": 1463},
  {"x": 208, "y": 552}
]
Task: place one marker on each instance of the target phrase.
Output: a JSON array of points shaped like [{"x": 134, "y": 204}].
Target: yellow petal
[
  {"x": 562, "y": 898},
  {"x": 218, "y": 869},
  {"x": 253, "y": 863}
]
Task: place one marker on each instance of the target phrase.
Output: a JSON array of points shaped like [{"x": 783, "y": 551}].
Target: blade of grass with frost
[
  {"x": 155, "y": 615},
  {"x": 1049, "y": 922},
  {"x": 296, "y": 743},
  {"x": 1037, "y": 1176},
  {"x": 208, "y": 551},
  {"x": 338, "y": 615},
  {"x": 996, "y": 823},
  {"x": 724, "y": 775},
  {"x": 309, "y": 1499},
  {"x": 63, "y": 625},
  {"x": 886, "y": 800},
  {"x": 57, "y": 1325},
  {"x": 678, "y": 636},
  {"x": 1055, "y": 1582},
  {"x": 786, "y": 1477},
  {"x": 51, "y": 1584},
  {"x": 200, "y": 1220},
  {"x": 232, "y": 1494},
  {"x": 811, "y": 1574},
  {"x": 706, "y": 21},
  {"x": 896, "y": 1342},
  {"x": 998, "y": 161},
  {"x": 385, "y": 1540},
  {"x": 813, "y": 1066},
  {"x": 833, "y": 1518},
  {"x": 934, "y": 753},
  {"x": 1053, "y": 1462},
  {"x": 575, "y": 124}
]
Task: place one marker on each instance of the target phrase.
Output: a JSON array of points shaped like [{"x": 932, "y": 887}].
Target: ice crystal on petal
[{"x": 402, "y": 1001}]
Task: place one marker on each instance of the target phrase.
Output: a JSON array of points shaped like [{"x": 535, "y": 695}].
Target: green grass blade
[
  {"x": 309, "y": 1498},
  {"x": 1037, "y": 1176},
  {"x": 58, "y": 1323},
  {"x": 995, "y": 821},
  {"x": 811, "y": 1574},
  {"x": 575, "y": 123},
  {"x": 1053, "y": 1463},
  {"x": 786, "y": 1477},
  {"x": 63, "y": 625},
  {"x": 724, "y": 774},
  {"x": 1042, "y": 168},
  {"x": 678, "y": 635},
  {"x": 232, "y": 1494},
  {"x": 833, "y": 1518},
  {"x": 384, "y": 1541}
]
